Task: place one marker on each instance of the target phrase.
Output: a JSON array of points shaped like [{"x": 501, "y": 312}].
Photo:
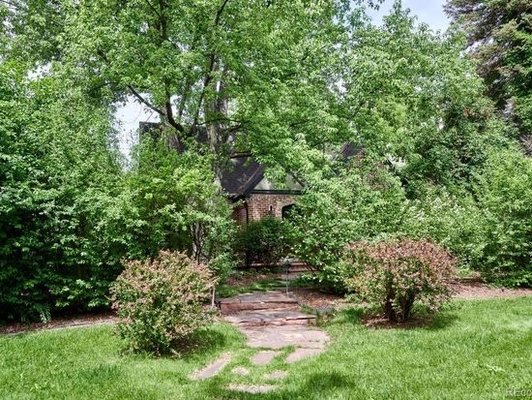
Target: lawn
[{"x": 476, "y": 350}]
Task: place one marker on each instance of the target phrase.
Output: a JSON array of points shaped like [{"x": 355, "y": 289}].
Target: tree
[
  {"x": 252, "y": 75},
  {"x": 499, "y": 36},
  {"x": 56, "y": 169},
  {"x": 416, "y": 103}
]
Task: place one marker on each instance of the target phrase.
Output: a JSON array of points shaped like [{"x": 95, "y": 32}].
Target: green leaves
[{"x": 499, "y": 36}]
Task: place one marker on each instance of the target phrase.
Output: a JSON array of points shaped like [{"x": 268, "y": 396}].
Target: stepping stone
[
  {"x": 270, "y": 317},
  {"x": 212, "y": 369},
  {"x": 253, "y": 389},
  {"x": 264, "y": 357},
  {"x": 278, "y": 337},
  {"x": 241, "y": 371},
  {"x": 276, "y": 375},
  {"x": 299, "y": 354},
  {"x": 258, "y": 301}
]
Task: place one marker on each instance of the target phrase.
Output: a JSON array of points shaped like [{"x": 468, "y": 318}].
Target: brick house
[
  {"x": 254, "y": 196},
  {"x": 243, "y": 182}
]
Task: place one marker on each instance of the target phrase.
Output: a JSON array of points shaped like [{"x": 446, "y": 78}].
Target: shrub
[
  {"x": 453, "y": 222},
  {"x": 362, "y": 201},
  {"x": 396, "y": 275},
  {"x": 505, "y": 197},
  {"x": 266, "y": 241},
  {"x": 160, "y": 302}
]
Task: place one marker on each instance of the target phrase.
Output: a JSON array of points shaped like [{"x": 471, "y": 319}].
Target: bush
[
  {"x": 505, "y": 198},
  {"x": 397, "y": 275},
  {"x": 453, "y": 222},
  {"x": 56, "y": 169},
  {"x": 266, "y": 241},
  {"x": 160, "y": 302},
  {"x": 363, "y": 200}
]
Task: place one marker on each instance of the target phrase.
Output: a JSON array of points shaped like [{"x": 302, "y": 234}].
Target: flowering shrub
[
  {"x": 395, "y": 275},
  {"x": 160, "y": 302}
]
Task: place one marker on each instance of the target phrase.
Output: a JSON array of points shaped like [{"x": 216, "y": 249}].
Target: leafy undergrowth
[{"x": 477, "y": 350}]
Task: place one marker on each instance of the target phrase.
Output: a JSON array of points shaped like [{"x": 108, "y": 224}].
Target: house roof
[{"x": 241, "y": 176}]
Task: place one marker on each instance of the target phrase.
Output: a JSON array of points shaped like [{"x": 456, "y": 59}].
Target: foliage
[
  {"x": 53, "y": 176},
  {"x": 69, "y": 213},
  {"x": 362, "y": 201},
  {"x": 398, "y": 275},
  {"x": 288, "y": 81},
  {"x": 160, "y": 302},
  {"x": 173, "y": 203},
  {"x": 431, "y": 121},
  {"x": 265, "y": 241},
  {"x": 454, "y": 222},
  {"x": 505, "y": 197},
  {"x": 499, "y": 37},
  {"x": 234, "y": 70}
]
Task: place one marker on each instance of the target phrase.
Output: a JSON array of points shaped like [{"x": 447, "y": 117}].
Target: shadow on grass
[
  {"x": 315, "y": 386},
  {"x": 204, "y": 342},
  {"x": 208, "y": 341}
]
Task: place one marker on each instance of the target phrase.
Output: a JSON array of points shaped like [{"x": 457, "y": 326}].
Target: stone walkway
[{"x": 271, "y": 321}]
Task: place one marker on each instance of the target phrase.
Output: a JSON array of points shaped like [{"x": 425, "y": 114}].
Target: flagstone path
[{"x": 271, "y": 322}]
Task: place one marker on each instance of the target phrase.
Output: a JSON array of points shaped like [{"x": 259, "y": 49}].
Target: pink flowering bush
[
  {"x": 160, "y": 302},
  {"x": 396, "y": 275}
]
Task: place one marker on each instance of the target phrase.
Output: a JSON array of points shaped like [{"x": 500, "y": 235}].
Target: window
[{"x": 286, "y": 210}]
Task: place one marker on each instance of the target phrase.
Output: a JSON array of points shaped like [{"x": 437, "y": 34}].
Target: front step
[
  {"x": 257, "y": 301},
  {"x": 271, "y": 318}
]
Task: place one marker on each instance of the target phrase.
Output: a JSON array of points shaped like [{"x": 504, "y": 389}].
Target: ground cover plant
[{"x": 476, "y": 350}]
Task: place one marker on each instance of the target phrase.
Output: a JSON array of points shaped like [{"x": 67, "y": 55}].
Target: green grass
[
  {"x": 476, "y": 350},
  {"x": 262, "y": 285}
]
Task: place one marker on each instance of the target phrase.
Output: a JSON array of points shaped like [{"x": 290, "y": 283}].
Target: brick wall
[{"x": 261, "y": 205}]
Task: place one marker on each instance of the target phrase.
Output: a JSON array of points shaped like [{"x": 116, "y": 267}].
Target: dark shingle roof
[{"x": 241, "y": 176}]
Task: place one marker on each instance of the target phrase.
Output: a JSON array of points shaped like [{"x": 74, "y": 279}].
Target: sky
[{"x": 427, "y": 11}]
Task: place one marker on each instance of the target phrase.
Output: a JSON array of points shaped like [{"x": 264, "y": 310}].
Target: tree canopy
[
  {"x": 289, "y": 82},
  {"x": 499, "y": 35}
]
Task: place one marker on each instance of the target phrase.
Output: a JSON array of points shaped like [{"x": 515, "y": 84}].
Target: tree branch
[
  {"x": 144, "y": 101},
  {"x": 154, "y": 9},
  {"x": 212, "y": 62}
]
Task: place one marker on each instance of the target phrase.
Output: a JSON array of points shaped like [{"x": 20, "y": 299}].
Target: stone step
[
  {"x": 257, "y": 301},
  {"x": 271, "y": 318}
]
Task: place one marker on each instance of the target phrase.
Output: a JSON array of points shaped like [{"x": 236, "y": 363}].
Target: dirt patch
[
  {"x": 379, "y": 322},
  {"x": 316, "y": 299},
  {"x": 475, "y": 289},
  {"x": 60, "y": 322}
]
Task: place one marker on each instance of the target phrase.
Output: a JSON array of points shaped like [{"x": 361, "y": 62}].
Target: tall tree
[
  {"x": 415, "y": 102},
  {"x": 499, "y": 35},
  {"x": 251, "y": 74}
]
